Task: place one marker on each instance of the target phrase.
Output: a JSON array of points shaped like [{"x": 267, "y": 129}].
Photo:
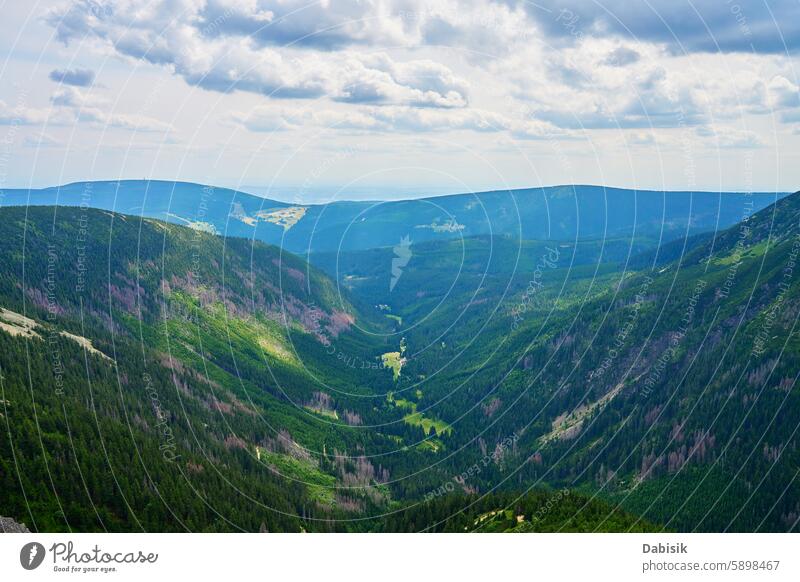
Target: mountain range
[
  {"x": 548, "y": 213},
  {"x": 564, "y": 359}
]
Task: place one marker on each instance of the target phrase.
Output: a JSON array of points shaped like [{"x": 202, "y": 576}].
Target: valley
[{"x": 570, "y": 382}]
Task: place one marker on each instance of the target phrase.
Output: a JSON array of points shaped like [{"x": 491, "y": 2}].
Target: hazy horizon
[{"x": 323, "y": 194}]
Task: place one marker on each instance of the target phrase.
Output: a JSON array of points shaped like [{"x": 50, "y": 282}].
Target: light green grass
[
  {"x": 439, "y": 427},
  {"x": 429, "y": 424},
  {"x": 320, "y": 485},
  {"x": 751, "y": 252},
  {"x": 431, "y": 445},
  {"x": 394, "y": 361}
]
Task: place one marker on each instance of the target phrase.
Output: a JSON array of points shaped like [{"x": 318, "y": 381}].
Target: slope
[{"x": 671, "y": 390}]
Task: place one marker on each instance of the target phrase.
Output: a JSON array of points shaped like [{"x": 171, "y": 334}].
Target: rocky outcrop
[{"x": 8, "y": 525}]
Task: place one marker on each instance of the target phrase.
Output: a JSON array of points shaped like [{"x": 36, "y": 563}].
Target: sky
[{"x": 385, "y": 99}]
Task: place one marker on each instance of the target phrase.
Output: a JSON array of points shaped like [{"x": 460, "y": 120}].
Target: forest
[{"x": 156, "y": 377}]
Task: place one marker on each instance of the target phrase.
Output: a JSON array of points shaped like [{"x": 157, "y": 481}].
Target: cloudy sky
[{"x": 315, "y": 101}]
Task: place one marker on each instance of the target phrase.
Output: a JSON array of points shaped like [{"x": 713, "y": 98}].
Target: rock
[{"x": 8, "y": 525}]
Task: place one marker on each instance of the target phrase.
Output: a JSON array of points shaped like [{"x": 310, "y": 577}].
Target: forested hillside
[
  {"x": 161, "y": 378},
  {"x": 149, "y": 370},
  {"x": 666, "y": 384}
]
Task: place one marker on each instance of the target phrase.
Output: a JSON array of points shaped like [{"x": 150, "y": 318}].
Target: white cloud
[
  {"x": 392, "y": 119},
  {"x": 340, "y": 51},
  {"x": 71, "y": 106},
  {"x": 34, "y": 116},
  {"x": 72, "y": 97},
  {"x": 378, "y": 79},
  {"x": 134, "y": 122},
  {"x": 784, "y": 93},
  {"x": 222, "y": 47},
  {"x": 270, "y": 119},
  {"x": 729, "y": 137},
  {"x": 88, "y": 106},
  {"x": 343, "y": 24},
  {"x": 423, "y": 120},
  {"x": 784, "y": 96},
  {"x": 482, "y": 73}
]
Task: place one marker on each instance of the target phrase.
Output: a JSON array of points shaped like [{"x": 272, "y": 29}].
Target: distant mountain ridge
[{"x": 546, "y": 213}]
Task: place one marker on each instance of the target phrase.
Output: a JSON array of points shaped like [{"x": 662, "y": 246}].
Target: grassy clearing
[
  {"x": 244, "y": 334},
  {"x": 394, "y": 361},
  {"x": 431, "y": 445},
  {"x": 750, "y": 252},
  {"x": 405, "y": 404},
  {"x": 429, "y": 425},
  {"x": 275, "y": 348},
  {"x": 396, "y": 318},
  {"x": 285, "y": 217},
  {"x": 320, "y": 485}
]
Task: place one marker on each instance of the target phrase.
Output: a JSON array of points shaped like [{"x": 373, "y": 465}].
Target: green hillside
[
  {"x": 641, "y": 386},
  {"x": 160, "y": 378},
  {"x": 500, "y": 385}
]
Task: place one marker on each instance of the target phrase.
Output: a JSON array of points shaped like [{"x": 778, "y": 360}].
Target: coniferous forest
[{"x": 157, "y": 377}]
